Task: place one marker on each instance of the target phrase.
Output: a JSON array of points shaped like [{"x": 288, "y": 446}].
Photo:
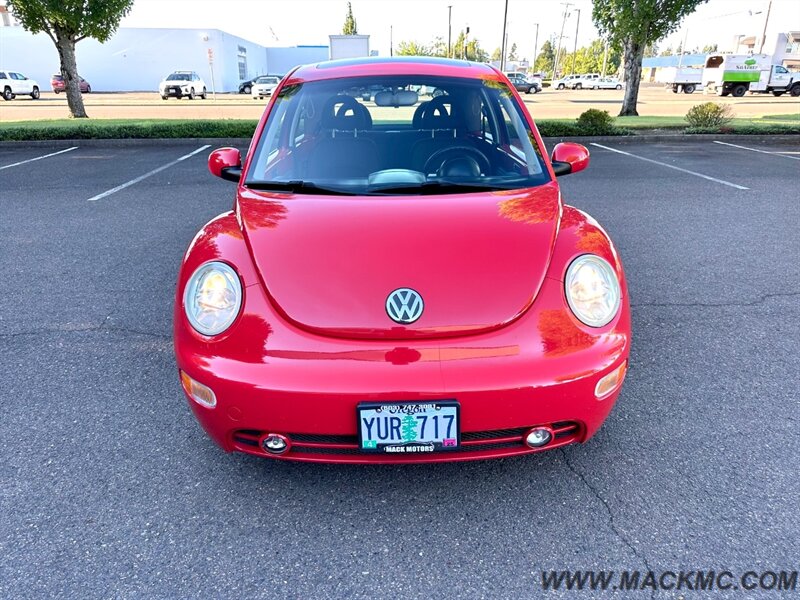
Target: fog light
[
  {"x": 198, "y": 392},
  {"x": 538, "y": 437},
  {"x": 275, "y": 443},
  {"x": 612, "y": 381}
]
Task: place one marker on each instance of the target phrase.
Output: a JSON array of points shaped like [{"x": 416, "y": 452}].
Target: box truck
[{"x": 737, "y": 74}]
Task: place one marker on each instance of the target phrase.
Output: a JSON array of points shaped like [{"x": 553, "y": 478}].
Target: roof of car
[{"x": 398, "y": 65}]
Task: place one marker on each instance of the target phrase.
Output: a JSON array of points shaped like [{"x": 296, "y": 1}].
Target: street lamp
[{"x": 575, "y": 47}]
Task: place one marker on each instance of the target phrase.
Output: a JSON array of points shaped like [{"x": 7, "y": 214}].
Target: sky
[{"x": 309, "y": 22}]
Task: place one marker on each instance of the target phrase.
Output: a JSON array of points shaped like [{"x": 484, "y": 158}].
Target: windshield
[
  {"x": 267, "y": 80},
  {"x": 396, "y": 135},
  {"x": 180, "y": 77}
]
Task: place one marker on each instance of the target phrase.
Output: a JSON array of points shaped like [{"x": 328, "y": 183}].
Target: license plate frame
[{"x": 416, "y": 408}]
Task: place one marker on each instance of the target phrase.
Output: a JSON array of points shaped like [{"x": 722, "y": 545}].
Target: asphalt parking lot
[
  {"x": 109, "y": 488},
  {"x": 654, "y": 100}
]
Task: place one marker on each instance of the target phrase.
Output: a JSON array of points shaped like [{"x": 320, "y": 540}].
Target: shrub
[
  {"x": 596, "y": 122},
  {"x": 709, "y": 114}
]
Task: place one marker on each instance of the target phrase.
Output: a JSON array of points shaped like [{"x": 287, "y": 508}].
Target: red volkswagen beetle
[{"x": 399, "y": 279}]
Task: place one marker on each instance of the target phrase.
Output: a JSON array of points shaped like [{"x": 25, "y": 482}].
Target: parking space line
[
  {"x": 669, "y": 166},
  {"x": 30, "y": 160},
  {"x": 122, "y": 186},
  {"x": 757, "y": 150}
]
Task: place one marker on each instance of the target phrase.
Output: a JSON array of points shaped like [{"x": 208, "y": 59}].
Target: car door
[
  {"x": 780, "y": 76},
  {"x": 19, "y": 84}
]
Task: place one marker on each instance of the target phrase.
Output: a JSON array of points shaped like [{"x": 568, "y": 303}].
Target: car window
[
  {"x": 2, "y": 76},
  {"x": 781, "y": 70},
  {"x": 361, "y": 135}
]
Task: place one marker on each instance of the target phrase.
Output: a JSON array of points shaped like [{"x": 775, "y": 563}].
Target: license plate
[{"x": 408, "y": 427}]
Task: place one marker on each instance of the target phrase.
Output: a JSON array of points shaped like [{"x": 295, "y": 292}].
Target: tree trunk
[
  {"x": 65, "y": 44},
  {"x": 632, "y": 68}
]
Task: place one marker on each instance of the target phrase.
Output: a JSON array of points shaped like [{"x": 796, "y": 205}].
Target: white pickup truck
[
  {"x": 737, "y": 74},
  {"x": 681, "y": 79}
]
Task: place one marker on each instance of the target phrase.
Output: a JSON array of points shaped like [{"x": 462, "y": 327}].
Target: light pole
[
  {"x": 575, "y": 47},
  {"x": 561, "y": 37},
  {"x": 449, "y": 29},
  {"x": 503, "y": 49},
  {"x": 535, "y": 45},
  {"x": 764, "y": 33},
  {"x": 391, "y": 44}
]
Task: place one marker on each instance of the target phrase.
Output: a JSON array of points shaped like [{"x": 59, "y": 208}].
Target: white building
[
  {"x": 137, "y": 59},
  {"x": 785, "y": 48}
]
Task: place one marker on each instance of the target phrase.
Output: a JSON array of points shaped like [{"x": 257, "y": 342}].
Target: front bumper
[
  {"x": 174, "y": 91},
  {"x": 271, "y": 377}
]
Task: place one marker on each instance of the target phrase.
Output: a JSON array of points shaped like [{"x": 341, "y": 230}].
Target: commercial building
[{"x": 136, "y": 59}]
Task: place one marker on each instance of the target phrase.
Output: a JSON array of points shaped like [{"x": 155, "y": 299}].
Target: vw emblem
[{"x": 404, "y": 305}]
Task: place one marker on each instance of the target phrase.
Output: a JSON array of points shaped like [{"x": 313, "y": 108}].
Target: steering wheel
[{"x": 437, "y": 159}]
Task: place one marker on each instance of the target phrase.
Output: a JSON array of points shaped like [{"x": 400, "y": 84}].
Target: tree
[
  {"x": 350, "y": 27},
  {"x": 547, "y": 56},
  {"x": 67, "y": 22},
  {"x": 469, "y": 49},
  {"x": 634, "y": 24},
  {"x": 412, "y": 48},
  {"x": 666, "y": 51},
  {"x": 708, "y": 49},
  {"x": 497, "y": 54},
  {"x": 589, "y": 59},
  {"x": 512, "y": 54}
]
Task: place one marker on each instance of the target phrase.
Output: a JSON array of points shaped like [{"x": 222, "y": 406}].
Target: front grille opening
[{"x": 566, "y": 432}]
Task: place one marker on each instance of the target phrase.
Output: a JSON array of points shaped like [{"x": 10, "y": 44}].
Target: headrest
[{"x": 345, "y": 113}]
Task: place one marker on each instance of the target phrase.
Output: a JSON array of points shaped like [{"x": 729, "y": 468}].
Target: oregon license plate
[{"x": 408, "y": 427}]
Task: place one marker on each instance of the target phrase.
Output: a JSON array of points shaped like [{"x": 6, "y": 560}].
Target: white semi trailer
[{"x": 681, "y": 79}]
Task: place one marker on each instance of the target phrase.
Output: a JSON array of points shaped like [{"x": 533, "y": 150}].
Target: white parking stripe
[
  {"x": 114, "y": 190},
  {"x": 22, "y": 162},
  {"x": 757, "y": 150},
  {"x": 669, "y": 166}
]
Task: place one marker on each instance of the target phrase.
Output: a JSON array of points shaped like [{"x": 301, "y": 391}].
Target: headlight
[
  {"x": 212, "y": 298},
  {"x": 592, "y": 290}
]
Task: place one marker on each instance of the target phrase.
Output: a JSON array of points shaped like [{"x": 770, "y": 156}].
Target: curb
[{"x": 245, "y": 142}]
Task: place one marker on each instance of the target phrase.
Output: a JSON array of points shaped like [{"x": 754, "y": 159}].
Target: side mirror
[
  {"x": 226, "y": 163},
  {"x": 569, "y": 157}
]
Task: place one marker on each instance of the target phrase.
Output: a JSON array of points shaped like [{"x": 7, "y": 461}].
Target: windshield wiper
[
  {"x": 436, "y": 187},
  {"x": 296, "y": 187}
]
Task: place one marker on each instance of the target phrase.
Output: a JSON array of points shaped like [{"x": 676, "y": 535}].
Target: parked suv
[
  {"x": 566, "y": 81},
  {"x": 13, "y": 84},
  {"x": 182, "y": 83},
  {"x": 264, "y": 86},
  {"x": 587, "y": 80},
  {"x": 59, "y": 85},
  {"x": 523, "y": 84}
]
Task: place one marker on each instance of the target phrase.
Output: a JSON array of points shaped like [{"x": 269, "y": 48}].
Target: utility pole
[
  {"x": 503, "y": 49},
  {"x": 575, "y": 48},
  {"x": 391, "y": 44},
  {"x": 764, "y": 33},
  {"x": 535, "y": 46},
  {"x": 683, "y": 48},
  {"x": 561, "y": 37},
  {"x": 449, "y": 29}
]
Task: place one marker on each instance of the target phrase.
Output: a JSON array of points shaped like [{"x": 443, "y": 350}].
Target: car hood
[{"x": 328, "y": 264}]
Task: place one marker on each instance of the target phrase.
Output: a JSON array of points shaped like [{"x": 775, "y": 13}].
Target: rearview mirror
[
  {"x": 569, "y": 157},
  {"x": 226, "y": 163}
]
